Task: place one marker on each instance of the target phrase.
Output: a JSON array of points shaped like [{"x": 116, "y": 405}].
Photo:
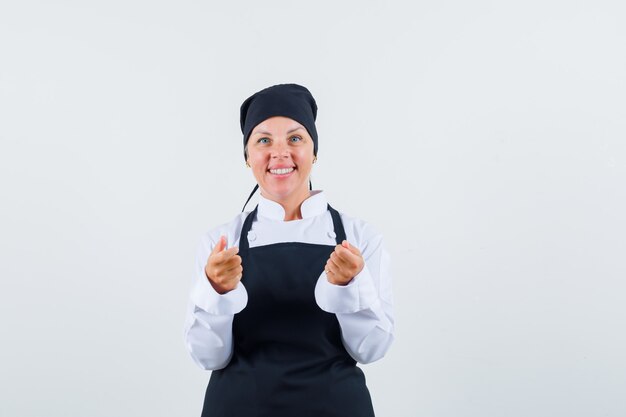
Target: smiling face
[{"x": 280, "y": 153}]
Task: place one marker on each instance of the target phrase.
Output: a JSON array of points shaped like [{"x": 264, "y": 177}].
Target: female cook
[{"x": 288, "y": 297}]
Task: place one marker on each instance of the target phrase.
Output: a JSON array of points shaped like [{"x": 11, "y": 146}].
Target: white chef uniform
[{"x": 364, "y": 307}]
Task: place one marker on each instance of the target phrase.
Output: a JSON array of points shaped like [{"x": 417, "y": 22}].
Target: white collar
[{"x": 312, "y": 206}]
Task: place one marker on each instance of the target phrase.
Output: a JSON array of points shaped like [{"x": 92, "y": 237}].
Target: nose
[{"x": 280, "y": 150}]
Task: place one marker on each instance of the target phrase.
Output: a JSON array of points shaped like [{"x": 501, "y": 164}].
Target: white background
[{"x": 485, "y": 140}]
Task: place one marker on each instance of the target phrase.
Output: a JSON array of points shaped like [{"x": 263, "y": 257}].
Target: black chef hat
[{"x": 289, "y": 100}]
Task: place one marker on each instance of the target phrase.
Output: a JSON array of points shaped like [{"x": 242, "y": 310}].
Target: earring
[
  {"x": 315, "y": 159},
  {"x": 247, "y": 164}
]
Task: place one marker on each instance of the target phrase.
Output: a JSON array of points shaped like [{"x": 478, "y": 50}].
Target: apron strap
[
  {"x": 247, "y": 224},
  {"x": 340, "y": 233}
]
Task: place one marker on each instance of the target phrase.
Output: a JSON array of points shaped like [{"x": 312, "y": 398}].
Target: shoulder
[
  {"x": 361, "y": 233},
  {"x": 230, "y": 229}
]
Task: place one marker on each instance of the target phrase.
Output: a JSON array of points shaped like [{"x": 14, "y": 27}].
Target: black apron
[{"x": 288, "y": 358}]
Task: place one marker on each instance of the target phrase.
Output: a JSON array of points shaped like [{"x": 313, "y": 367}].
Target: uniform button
[
  {"x": 251, "y": 236},
  {"x": 332, "y": 235}
]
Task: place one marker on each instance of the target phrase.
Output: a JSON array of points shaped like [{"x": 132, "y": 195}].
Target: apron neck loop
[
  {"x": 256, "y": 187},
  {"x": 251, "y": 194}
]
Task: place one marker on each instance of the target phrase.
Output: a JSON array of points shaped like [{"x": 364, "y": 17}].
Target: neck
[{"x": 291, "y": 204}]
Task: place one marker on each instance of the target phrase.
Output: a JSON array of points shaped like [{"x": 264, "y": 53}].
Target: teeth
[{"x": 281, "y": 171}]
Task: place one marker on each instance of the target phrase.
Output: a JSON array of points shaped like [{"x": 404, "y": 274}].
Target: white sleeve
[
  {"x": 364, "y": 307},
  {"x": 209, "y": 319}
]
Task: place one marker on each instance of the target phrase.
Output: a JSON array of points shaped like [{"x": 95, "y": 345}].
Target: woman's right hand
[{"x": 223, "y": 268}]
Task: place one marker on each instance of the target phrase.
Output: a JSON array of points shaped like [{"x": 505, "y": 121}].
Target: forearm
[
  {"x": 209, "y": 320},
  {"x": 367, "y": 334},
  {"x": 364, "y": 314},
  {"x": 208, "y": 339}
]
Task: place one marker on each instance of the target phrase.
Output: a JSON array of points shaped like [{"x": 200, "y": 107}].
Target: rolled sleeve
[
  {"x": 359, "y": 294},
  {"x": 206, "y": 298}
]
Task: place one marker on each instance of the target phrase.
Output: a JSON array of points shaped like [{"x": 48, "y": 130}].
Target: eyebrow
[{"x": 268, "y": 133}]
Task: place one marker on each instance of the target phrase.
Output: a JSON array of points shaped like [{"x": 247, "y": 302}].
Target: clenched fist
[
  {"x": 223, "y": 268},
  {"x": 344, "y": 264}
]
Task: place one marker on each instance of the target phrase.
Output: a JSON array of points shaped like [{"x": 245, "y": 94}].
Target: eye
[
  {"x": 297, "y": 139},
  {"x": 263, "y": 140}
]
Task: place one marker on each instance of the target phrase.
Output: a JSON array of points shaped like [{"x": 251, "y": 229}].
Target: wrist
[
  {"x": 342, "y": 283},
  {"x": 218, "y": 289}
]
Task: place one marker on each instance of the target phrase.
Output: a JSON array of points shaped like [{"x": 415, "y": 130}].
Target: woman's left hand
[{"x": 344, "y": 264}]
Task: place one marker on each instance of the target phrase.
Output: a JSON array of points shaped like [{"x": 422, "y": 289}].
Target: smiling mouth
[{"x": 281, "y": 171}]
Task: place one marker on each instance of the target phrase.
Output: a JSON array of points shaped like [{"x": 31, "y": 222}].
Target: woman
[{"x": 302, "y": 293}]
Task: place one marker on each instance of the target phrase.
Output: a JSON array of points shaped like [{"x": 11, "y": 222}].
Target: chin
[{"x": 283, "y": 193}]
